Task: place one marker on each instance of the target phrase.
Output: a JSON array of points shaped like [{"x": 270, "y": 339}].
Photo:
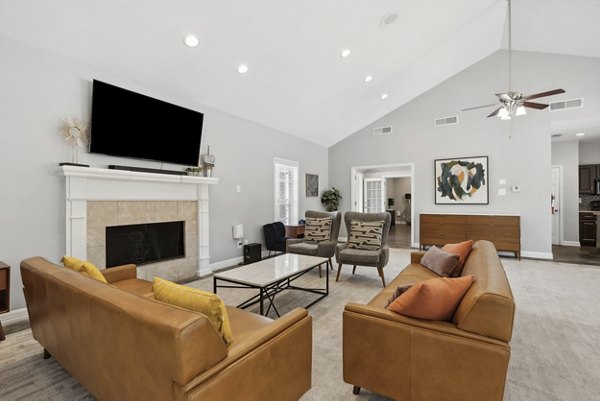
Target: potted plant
[{"x": 331, "y": 199}]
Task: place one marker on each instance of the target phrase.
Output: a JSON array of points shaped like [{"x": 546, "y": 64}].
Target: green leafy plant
[{"x": 331, "y": 199}]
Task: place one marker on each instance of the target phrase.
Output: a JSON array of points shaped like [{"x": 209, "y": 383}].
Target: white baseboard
[
  {"x": 342, "y": 239},
  {"x": 226, "y": 263},
  {"x": 570, "y": 243},
  {"x": 416, "y": 245},
  {"x": 14, "y": 317},
  {"x": 537, "y": 255}
]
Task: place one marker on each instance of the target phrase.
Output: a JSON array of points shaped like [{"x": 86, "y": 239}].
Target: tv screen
[{"x": 129, "y": 124}]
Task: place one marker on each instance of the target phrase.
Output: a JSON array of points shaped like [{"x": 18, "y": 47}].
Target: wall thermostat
[{"x": 516, "y": 188}]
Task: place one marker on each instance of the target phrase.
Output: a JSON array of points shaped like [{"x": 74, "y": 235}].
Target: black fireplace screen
[{"x": 144, "y": 243}]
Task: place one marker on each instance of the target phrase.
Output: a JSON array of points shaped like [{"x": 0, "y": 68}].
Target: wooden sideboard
[{"x": 504, "y": 231}]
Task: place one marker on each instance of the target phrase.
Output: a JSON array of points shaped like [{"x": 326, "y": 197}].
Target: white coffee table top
[{"x": 272, "y": 270}]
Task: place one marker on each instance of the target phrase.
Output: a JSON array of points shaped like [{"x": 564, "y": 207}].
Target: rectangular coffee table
[{"x": 270, "y": 277}]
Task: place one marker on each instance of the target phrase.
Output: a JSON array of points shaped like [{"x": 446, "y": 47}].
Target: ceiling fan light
[
  {"x": 504, "y": 114},
  {"x": 520, "y": 111}
]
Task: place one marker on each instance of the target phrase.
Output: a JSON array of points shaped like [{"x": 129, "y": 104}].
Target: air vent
[
  {"x": 567, "y": 104},
  {"x": 556, "y": 135},
  {"x": 382, "y": 130},
  {"x": 445, "y": 121}
]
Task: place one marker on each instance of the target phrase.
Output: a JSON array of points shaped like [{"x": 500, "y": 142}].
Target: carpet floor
[{"x": 555, "y": 345}]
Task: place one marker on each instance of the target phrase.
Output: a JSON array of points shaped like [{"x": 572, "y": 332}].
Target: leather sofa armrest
[
  {"x": 261, "y": 338},
  {"x": 415, "y": 257},
  {"x": 119, "y": 273},
  {"x": 291, "y": 241}
]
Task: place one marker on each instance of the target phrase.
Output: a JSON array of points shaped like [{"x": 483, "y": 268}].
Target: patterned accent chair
[
  {"x": 325, "y": 249},
  {"x": 363, "y": 247}
]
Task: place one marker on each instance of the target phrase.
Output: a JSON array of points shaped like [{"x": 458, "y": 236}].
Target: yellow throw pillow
[
  {"x": 71, "y": 263},
  {"x": 84, "y": 267},
  {"x": 207, "y": 303}
]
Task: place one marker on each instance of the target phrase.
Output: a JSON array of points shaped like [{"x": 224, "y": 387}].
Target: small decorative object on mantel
[
  {"x": 461, "y": 181},
  {"x": 331, "y": 199},
  {"x": 209, "y": 163},
  {"x": 195, "y": 171},
  {"x": 74, "y": 131}
]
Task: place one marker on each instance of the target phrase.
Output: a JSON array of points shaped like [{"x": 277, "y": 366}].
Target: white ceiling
[
  {"x": 297, "y": 82},
  {"x": 569, "y": 128}
]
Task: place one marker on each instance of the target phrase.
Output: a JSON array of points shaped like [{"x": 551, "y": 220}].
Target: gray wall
[
  {"x": 38, "y": 89},
  {"x": 522, "y": 158},
  {"x": 566, "y": 154},
  {"x": 589, "y": 152}
]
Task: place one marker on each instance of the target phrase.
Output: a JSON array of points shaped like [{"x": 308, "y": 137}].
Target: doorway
[
  {"x": 387, "y": 188},
  {"x": 555, "y": 198}
]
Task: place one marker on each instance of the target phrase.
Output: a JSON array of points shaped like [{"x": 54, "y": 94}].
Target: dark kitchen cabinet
[
  {"x": 587, "y": 229},
  {"x": 587, "y": 178}
]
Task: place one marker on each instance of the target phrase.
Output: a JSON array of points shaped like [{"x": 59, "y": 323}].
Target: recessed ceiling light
[
  {"x": 191, "y": 41},
  {"x": 345, "y": 53},
  {"x": 580, "y": 134},
  {"x": 388, "y": 19},
  {"x": 368, "y": 78},
  {"x": 243, "y": 68},
  {"x": 384, "y": 96}
]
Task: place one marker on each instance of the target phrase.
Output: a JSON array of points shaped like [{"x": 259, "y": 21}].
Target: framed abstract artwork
[
  {"x": 312, "y": 185},
  {"x": 462, "y": 180}
]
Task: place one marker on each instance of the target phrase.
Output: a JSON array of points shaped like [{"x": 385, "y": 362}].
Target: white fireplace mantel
[{"x": 97, "y": 184}]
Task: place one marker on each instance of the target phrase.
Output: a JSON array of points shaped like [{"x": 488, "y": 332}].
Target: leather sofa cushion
[
  {"x": 207, "y": 303},
  {"x": 304, "y": 248},
  {"x": 358, "y": 256}
]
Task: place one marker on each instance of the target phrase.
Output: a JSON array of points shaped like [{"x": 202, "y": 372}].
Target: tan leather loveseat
[
  {"x": 417, "y": 360},
  {"x": 122, "y": 345}
]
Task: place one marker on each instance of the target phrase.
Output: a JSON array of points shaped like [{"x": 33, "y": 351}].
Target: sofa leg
[
  {"x": 380, "y": 270},
  {"x": 337, "y": 277},
  {"x": 355, "y": 390},
  {"x": 46, "y": 354},
  {"x": 353, "y": 269}
]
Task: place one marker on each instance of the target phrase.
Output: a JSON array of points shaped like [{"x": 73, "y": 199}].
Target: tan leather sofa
[
  {"x": 417, "y": 360},
  {"x": 123, "y": 345}
]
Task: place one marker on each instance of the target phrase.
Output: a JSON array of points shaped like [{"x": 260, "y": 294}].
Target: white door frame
[
  {"x": 560, "y": 205},
  {"x": 387, "y": 171}
]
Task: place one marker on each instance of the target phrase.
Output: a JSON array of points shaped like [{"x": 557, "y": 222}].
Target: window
[
  {"x": 373, "y": 195},
  {"x": 286, "y": 191}
]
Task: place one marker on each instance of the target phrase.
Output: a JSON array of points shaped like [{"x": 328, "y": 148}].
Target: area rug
[{"x": 555, "y": 345}]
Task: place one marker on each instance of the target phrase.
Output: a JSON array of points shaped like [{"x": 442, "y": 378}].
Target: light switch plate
[
  {"x": 238, "y": 188},
  {"x": 501, "y": 191},
  {"x": 502, "y": 181}
]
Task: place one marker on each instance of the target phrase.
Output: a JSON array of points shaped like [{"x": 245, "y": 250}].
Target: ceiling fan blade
[
  {"x": 534, "y": 105},
  {"x": 544, "y": 94},
  {"x": 504, "y": 96},
  {"x": 479, "y": 107},
  {"x": 495, "y": 112}
]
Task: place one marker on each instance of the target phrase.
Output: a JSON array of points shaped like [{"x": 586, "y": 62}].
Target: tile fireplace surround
[{"x": 97, "y": 198}]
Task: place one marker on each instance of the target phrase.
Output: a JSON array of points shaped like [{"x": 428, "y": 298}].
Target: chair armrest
[
  {"x": 326, "y": 249},
  {"x": 291, "y": 241},
  {"x": 385, "y": 256},
  {"x": 415, "y": 257},
  {"x": 339, "y": 248},
  {"x": 119, "y": 273}
]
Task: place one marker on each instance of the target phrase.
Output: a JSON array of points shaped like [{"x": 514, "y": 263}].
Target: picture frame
[
  {"x": 312, "y": 185},
  {"x": 461, "y": 181}
]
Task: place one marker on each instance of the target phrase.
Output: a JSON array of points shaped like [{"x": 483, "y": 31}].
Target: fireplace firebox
[{"x": 145, "y": 243}]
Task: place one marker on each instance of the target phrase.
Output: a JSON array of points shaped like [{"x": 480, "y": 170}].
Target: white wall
[
  {"x": 566, "y": 154},
  {"x": 522, "y": 158},
  {"x": 589, "y": 152},
  {"x": 38, "y": 89}
]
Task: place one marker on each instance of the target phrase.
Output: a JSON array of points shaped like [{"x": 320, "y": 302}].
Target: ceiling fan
[{"x": 513, "y": 103}]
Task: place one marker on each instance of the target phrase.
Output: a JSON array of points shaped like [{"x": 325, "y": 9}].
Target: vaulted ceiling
[{"x": 297, "y": 82}]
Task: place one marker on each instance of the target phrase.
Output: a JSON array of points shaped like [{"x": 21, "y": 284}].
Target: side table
[{"x": 4, "y": 293}]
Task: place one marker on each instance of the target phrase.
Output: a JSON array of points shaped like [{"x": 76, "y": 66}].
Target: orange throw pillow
[
  {"x": 433, "y": 299},
  {"x": 462, "y": 250}
]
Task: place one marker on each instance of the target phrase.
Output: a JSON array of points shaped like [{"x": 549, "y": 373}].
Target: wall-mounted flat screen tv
[{"x": 129, "y": 124}]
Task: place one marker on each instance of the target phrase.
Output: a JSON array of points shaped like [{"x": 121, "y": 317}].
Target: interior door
[
  {"x": 374, "y": 195},
  {"x": 555, "y": 205},
  {"x": 359, "y": 194}
]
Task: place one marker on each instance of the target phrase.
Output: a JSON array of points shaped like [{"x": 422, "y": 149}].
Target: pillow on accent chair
[
  {"x": 83, "y": 267},
  {"x": 317, "y": 229},
  {"x": 439, "y": 261},
  {"x": 433, "y": 299},
  {"x": 207, "y": 303},
  {"x": 463, "y": 250},
  {"x": 401, "y": 289},
  {"x": 366, "y": 235}
]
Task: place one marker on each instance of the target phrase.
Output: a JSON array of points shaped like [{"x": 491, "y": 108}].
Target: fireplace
[{"x": 141, "y": 244}]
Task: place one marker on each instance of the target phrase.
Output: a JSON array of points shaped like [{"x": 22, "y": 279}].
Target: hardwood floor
[
  {"x": 399, "y": 236},
  {"x": 585, "y": 255}
]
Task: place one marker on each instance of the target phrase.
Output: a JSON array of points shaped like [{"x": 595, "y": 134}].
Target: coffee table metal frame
[{"x": 269, "y": 290}]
